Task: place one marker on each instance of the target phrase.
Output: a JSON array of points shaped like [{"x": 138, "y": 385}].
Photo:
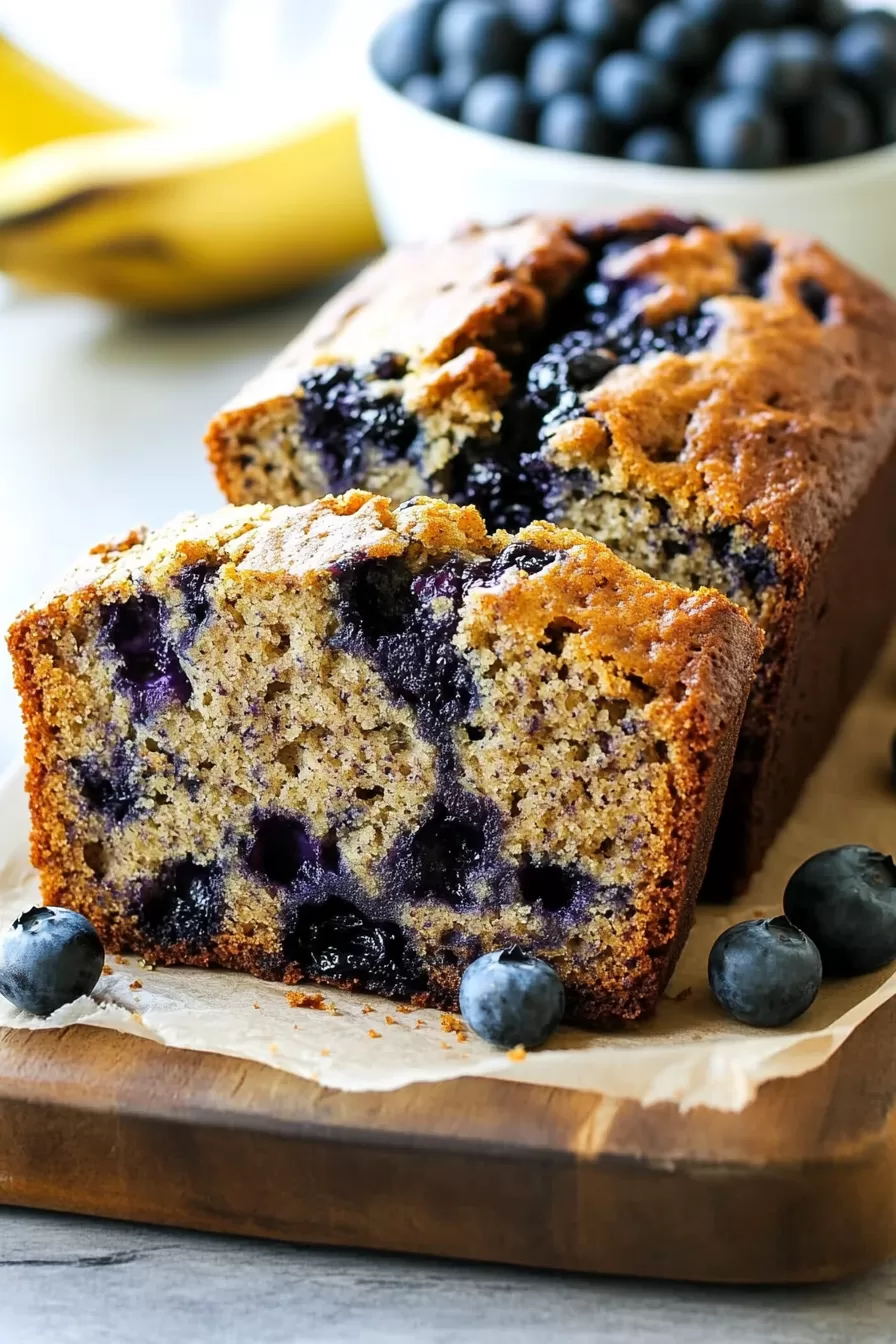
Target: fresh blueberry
[
  {"x": 404, "y": 46},
  {"x": 535, "y": 17},
  {"x": 498, "y": 104},
  {"x": 48, "y": 958},
  {"x": 558, "y": 64},
  {"x": 670, "y": 33},
  {"x": 429, "y": 91},
  {"x": 735, "y": 130},
  {"x": 865, "y": 52},
  {"x": 570, "y": 121},
  {"x": 659, "y": 144},
  {"x": 832, "y": 15},
  {"x": 480, "y": 30},
  {"x": 776, "y": 13},
  {"x": 610, "y": 22},
  {"x": 458, "y": 77},
  {"x": 510, "y": 998},
  {"x": 632, "y": 89},
  {"x": 835, "y": 123},
  {"x": 845, "y": 900},
  {"x": 764, "y": 972},
  {"x": 784, "y": 66}
]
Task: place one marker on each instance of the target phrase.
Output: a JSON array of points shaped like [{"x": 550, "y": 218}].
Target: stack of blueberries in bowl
[{"x": 720, "y": 84}]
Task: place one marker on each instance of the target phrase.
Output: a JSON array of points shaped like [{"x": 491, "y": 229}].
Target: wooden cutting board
[{"x": 800, "y": 1186}]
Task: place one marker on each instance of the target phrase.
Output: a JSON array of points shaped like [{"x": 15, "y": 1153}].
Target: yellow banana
[
  {"x": 37, "y": 105},
  {"x": 175, "y": 221}
]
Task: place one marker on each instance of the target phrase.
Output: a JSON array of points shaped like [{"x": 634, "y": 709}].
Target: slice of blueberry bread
[
  {"x": 717, "y": 405},
  {"x": 364, "y": 747}
]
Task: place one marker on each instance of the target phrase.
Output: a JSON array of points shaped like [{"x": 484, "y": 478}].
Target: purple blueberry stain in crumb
[
  {"x": 349, "y": 425},
  {"x": 751, "y": 565},
  {"x": 284, "y": 852},
  {"x": 333, "y": 940},
  {"x": 194, "y": 582},
  {"x": 182, "y": 904},
  {"x": 113, "y": 787},
  {"x": 556, "y": 889},
  {"x": 150, "y": 673}
]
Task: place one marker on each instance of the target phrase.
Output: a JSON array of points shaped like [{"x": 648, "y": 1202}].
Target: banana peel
[
  {"x": 37, "y": 105},
  {"x": 175, "y": 221}
]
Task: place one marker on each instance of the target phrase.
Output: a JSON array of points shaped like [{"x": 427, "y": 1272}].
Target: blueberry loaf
[
  {"x": 715, "y": 405},
  {"x": 364, "y": 747}
]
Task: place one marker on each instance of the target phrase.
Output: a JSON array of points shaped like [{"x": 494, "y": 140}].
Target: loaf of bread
[
  {"x": 717, "y": 405},
  {"x": 363, "y": 747}
]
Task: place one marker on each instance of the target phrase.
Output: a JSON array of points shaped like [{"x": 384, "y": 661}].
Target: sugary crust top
[
  {"x": 780, "y": 422},
  {"x": 693, "y": 654}
]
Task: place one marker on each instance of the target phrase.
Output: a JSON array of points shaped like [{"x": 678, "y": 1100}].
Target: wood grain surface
[{"x": 799, "y": 1187}]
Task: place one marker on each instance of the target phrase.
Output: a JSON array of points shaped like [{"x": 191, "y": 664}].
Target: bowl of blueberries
[{"x": 778, "y": 110}]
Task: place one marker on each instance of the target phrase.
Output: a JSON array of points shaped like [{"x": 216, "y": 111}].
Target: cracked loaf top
[{"x": 747, "y": 378}]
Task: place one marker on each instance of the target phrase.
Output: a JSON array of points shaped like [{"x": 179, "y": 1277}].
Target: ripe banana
[
  {"x": 37, "y": 105},
  {"x": 174, "y": 220}
]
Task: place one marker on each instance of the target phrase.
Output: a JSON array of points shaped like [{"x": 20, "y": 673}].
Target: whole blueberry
[
  {"x": 498, "y": 104},
  {"x": 774, "y": 13},
  {"x": 784, "y": 66},
  {"x": 429, "y": 91},
  {"x": 509, "y": 998},
  {"x": 865, "y": 52},
  {"x": 632, "y": 89},
  {"x": 845, "y": 900},
  {"x": 610, "y": 22},
  {"x": 535, "y": 17},
  {"x": 670, "y": 34},
  {"x": 570, "y": 121},
  {"x": 458, "y": 77},
  {"x": 835, "y": 123},
  {"x": 659, "y": 144},
  {"x": 404, "y": 46},
  {"x": 764, "y": 972},
  {"x": 832, "y": 15},
  {"x": 749, "y": 62},
  {"x": 480, "y": 30},
  {"x": 735, "y": 130},
  {"x": 560, "y": 63},
  {"x": 50, "y": 957}
]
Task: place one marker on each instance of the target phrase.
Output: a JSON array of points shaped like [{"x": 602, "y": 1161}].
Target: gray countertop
[{"x": 101, "y": 419}]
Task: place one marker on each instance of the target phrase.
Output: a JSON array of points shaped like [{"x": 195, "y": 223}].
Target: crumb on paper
[
  {"x": 107, "y": 970},
  {"x": 451, "y": 1022},
  {"x": 391, "y": 1021},
  {"x": 121, "y": 961},
  {"x": 137, "y": 1017},
  {"x": 256, "y": 1005},
  {"x": 402, "y": 1008},
  {"x": 301, "y": 998},
  {"x": 331, "y": 1008},
  {"x": 136, "y": 984},
  {"x": 683, "y": 994},
  {"x": 420, "y": 1022},
  {"x": 445, "y": 1045},
  {"x": 462, "y": 1036},
  {"x": 374, "y": 1035},
  {"x": 368, "y": 1008},
  {"x": 517, "y": 1053},
  {"x": 274, "y": 1048},
  {"x": 145, "y": 965},
  {"x": 325, "y": 1051}
]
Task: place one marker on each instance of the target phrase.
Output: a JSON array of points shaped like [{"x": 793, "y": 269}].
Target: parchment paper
[{"x": 691, "y": 1053}]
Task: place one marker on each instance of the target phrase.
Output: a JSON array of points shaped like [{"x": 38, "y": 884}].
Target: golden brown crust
[{"x": 687, "y": 659}]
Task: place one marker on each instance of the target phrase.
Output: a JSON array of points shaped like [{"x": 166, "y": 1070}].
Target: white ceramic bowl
[{"x": 428, "y": 174}]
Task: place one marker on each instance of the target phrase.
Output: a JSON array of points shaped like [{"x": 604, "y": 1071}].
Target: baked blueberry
[
  {"x": 764, "y": 972},
  {"x": 610, "y": 22},
  {"x": 632, "y": 89},
  {"x": 404, "y": 46},
  {"x": 659, "y": 144},
  {"x": 558, "y": 64},
  {"x": 429, "y": 91},
  {"x": 736, "y": 130},
  {"x": 835, "y": 123},
  {"x": 570, "y": 121},
  {"x": 510, "y": 998},
  {"x": 670, "y": 33},
  {"x": 845, "y": 900},
  {"x": 535, "y": 17},
  {"x": 865, "y": 52},
  {"x": 498, "y": 104},
  {"x": 480, "y": 30},
  {"x": 49, "y": 957}
]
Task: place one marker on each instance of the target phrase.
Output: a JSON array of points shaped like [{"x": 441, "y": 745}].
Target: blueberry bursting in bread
[
  {"x": 717, "y": 406},
  {"x": 363, "y": 747}
]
